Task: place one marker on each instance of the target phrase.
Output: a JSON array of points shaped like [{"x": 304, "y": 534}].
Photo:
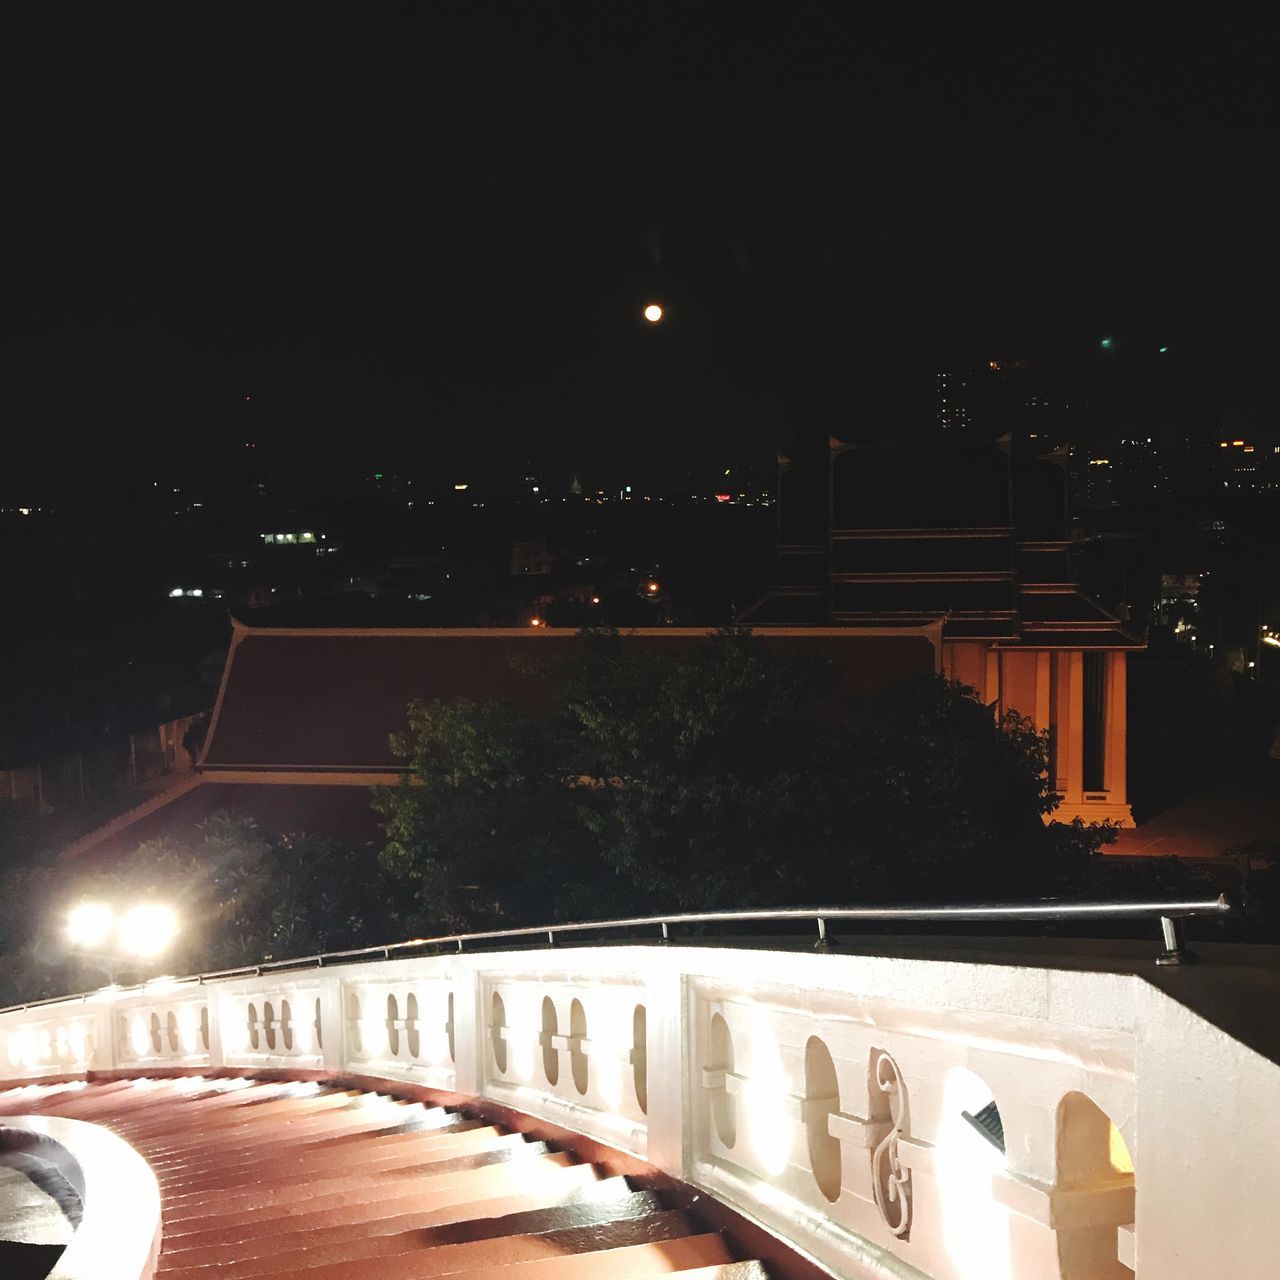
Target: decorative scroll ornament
[{"x": 892, "y": 1184}]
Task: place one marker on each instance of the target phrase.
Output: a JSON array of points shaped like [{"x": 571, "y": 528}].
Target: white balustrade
[{"x": 823, "y": 1096}]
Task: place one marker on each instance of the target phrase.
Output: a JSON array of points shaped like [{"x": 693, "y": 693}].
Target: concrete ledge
[{"x": 119, "y": 1234}]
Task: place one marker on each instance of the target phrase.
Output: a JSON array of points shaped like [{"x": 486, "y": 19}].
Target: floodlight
[
  {"x": 89, "y": 925},
  {"x": 147, "y": 929}
]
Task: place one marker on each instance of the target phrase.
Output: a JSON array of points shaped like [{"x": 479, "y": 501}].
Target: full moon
[{"x": 653, "y": 313}]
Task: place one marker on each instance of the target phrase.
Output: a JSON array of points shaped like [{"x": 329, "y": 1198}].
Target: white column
[{"x": 1117, "y": 727}]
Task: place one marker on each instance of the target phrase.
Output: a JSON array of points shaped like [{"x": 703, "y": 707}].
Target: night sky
[{"x": 403, "y": 230}]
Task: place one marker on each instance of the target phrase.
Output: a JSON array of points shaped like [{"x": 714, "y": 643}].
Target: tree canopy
[{"x": 730, "y": 774}]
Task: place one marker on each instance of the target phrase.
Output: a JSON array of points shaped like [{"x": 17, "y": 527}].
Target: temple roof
[
  {"x": 973, "y": 537},
  {"x": 322, "y": 702}
]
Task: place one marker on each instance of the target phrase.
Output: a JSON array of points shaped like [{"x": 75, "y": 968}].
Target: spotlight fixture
[{"x": 987, "y": 1122}]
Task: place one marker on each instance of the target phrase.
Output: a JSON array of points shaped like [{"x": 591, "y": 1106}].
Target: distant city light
[
  {"x": 1163, "y": 350},
  {"x": 724, "y": 497},
  {"x": 653, "y": 313},
  {"x": 177, "y": 591},
  {"x": 1107, "y": 344},
  {"x": 461, "y": 488},
  {"x": 536, "y": 622},
  {"x": 595, "y": 599},
  {"x": 652, "y": 588}
]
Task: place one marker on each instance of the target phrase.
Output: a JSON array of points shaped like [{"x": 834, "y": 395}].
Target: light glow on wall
[
  {"x": 235, "y": 1031},
  {"x": 435, "y": 1032},
  {"x": 373, "y": 1035},
  {"x": 188, "y": 1028},
  {"x": 975, "y": 1227},
  {"x": 610, "y": 1048},
  {"x": 304, "y": 1033},
  {"x": 1121, "y": 1160},
  {"x": 765, "y": 1098},
  {"x": 78, "y": 1040},
  {"x": 139, "y": 1035},
  {"x": 522, "y": 1034}
]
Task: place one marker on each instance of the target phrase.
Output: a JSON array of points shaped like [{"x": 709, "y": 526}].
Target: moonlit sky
[{"x": 405, "y": 229}]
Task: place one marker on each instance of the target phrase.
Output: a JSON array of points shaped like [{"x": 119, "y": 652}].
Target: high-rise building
[{"x": 983, "y": 400}]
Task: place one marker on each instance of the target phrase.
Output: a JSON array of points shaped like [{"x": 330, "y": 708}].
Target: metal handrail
[{"x": 1170, "y": 915}]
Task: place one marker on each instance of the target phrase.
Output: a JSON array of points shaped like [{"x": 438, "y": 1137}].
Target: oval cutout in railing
[
  {"x": 724, "y": 1106},
  {"x": 821, "y": 1100},
  {"x": 577, "y": 1054},
  {"x": 412, "y": 1033},
  {"x": 355, "y": 1025},
  {"x": 550, "y": 1053},
  {"x": 393, "y": 1031},
  {"x": 640, "y": 1057},
  {"x": 497, "y": 1033}
]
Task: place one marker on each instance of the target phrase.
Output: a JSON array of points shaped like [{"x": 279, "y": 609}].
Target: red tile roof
[{"x": 328, "y": 701}]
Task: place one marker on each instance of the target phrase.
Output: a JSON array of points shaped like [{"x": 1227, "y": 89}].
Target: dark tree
[{"x": 728, "y": 775}]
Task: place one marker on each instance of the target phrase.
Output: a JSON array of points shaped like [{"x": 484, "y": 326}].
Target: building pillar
[
  {"x": 1073, "y": 745},
  {"x": 991, "y": 694},
  {"x": 1117, "y": 726},
  {"x": 1112, "y": 802},
  {"x": 1044, "y": 686}
]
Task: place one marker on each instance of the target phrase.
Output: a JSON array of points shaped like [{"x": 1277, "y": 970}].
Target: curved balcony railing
[{"x": 840, "y": 1100}]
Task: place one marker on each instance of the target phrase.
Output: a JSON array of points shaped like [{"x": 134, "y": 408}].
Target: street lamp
[
  {"x": 110, "y": 939},
  {"x": 653, "y": 313}
]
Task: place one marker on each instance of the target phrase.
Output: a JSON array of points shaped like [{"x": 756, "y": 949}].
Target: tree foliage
[{"x": 729, "y": 774}]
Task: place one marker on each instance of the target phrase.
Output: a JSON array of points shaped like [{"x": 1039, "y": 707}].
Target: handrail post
[
  {"x": 1175, "y": 943},
  {"x": 824, "y": 942},
  {"x": 666, "y": 932}
]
